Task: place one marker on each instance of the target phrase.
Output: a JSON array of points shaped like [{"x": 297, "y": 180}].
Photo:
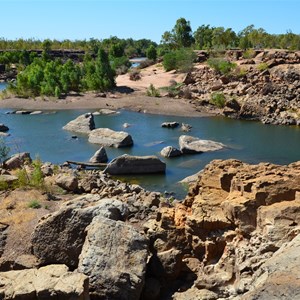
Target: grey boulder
[
  {"x": 110, "y": 138},
  {"x": 170, "y": 151},
  {"x": 3, "y": 128},
  {"x": 189, "y": 144},
  {"x": 114, "y": 257},
  {"x": 17, "y": 161},
  {"x": 100, "y": 156},
  {"x": 170, "y": 124},
  {"x": 82, "y": 124},
  {"x": 127, "y": 164}
]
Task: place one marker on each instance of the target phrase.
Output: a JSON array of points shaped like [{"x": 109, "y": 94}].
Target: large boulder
[
  {"x": 3, "y": 128},
  {"x": 68, "y": 182},
  {"x": 100, "y": 156},
  {"x": 110, "y": 138},
  {"x": 114, "y": 256},
  {"x": 189, "y": 144},
  {"x": 127, "y": 164},
  {"x": 50, "y": 282},
  {"x": 17, "y": 161},
  {"x": 58, "y": 238},
  {"x": 82, "y": 124}
]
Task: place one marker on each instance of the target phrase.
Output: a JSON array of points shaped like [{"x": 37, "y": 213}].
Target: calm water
[
  {"x": 2, "y": 85},
  {"x": 251, "y": 142}
]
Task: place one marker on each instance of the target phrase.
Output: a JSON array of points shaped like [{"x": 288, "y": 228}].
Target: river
[{"x": 253, "y": 142}]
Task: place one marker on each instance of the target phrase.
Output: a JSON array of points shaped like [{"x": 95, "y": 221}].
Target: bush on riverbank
[
  {"x": 221, "y": 65},
  {"x": 180, "y": 60},
  {"x": 55, "y": 78}
]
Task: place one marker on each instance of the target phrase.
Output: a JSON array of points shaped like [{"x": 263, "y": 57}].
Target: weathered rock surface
[
  {"x": 68, "y": 182},
  {"x": 110, "y": 138},
  {"x": 100, "y": 156},
  {"x": 114, "y": 257},
  {"x": 170, "y": 151},
  {"x": 189, "y": 145},
  {"x": 82, "y": 124},
  {"x": 127, "y": 164},
  {"x": 17, "y": 160},
  {"x": 59, "y": 237},
  {"x": 49, "y": 282}
]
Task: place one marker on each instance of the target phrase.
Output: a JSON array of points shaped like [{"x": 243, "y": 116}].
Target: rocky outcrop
[
  {"x": 82, "y": 124},
  {"x": 170, "y": 151},
  {"x": 68, "y": 182},
  {"x": 264, "y": 88},
  {"x": 100, "y": 156},
  {"x": 189, "y": 145},
  {"x": 110, "y": 138},
  {"x": 127, "y": 164},
  {"x": 114, "y": 257},
  {"x": 44, "y": 283}
]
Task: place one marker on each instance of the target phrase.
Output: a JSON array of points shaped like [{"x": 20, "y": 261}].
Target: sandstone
[
  {"x": 82, "y": 124},
  {"x": 126, "y": 164},
  {"x": 17, "y": 161},
  {"x": 44, "y": 283},
  {"x": 110, "y": 138}
]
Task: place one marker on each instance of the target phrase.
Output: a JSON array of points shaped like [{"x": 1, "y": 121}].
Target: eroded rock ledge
[{"x": 235, "y": 236}]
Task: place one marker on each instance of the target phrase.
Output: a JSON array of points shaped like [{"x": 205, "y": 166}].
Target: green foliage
[
  {"x": 180, "y": 60},
  {"x": 4, "y": 150},
  {"x": 174, "y": 89},
  {"x": 152, "y": 91},
  {"x": 34, "y": 204},
  {"x": 249, "y": 53},
  {"x": 151, "y": 53},
  {"x": 218, "y": 99},
  {"x": 262, "y": 67},
  {"x": 3, "y": 185},
  {"x": 203, "y": 37},
  {"x": 120, "y": 64},
  {"x": 220, "y": 65},
  {"x": 37, "y": 177},
  {"x": 23, "y": 178}
]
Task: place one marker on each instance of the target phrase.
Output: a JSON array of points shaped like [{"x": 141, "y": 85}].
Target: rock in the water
[
  {"x": 114, "y": 256},
  {"x": 186, "y": 127},
  {"x": 190, "y": 144},
  {"x": 17, "y": 160},
  {"x": 100, "y": 156},
  {"x": 107, "y": 111},
  {"x": 127, "y": 164},
  {"x": 82, "y": 124},
  {"x": 3, "y": 128},
  {"x": 170, "y": 151},
  {"x": 53, "y": 281},
  {"x": 110, "y": 138},
  {"x": 170, "y": 124}
]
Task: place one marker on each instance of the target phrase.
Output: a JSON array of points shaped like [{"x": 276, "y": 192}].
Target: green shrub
[
  {"x": 3, "y": 185},
  {"x": 249, "y": 53},
  {"x": 151, "y": 52},
  {"x": 152, "y": 91},
  {"x": 34, "y": 204},
  {"x": 120, "y": 64},
  {"x": 37, "y": 177},
  {"x": 221, "y": 65},
  {"x": 180, "y": 60},
  {"x": 218, "y": 99},
  {"x": 4, "y": 150},
  {"x": 262, "y": 67},
  {"x": 23, "y": 178}
]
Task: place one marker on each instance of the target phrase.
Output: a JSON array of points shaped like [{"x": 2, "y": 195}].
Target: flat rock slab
[
  {"x": 189, "y": 145},
  {"x": 110, "y": 138},
  {"x": 44, "y": 283},
  {"x": 82, "y": 124},
  {"x": 127, "y": 164}
]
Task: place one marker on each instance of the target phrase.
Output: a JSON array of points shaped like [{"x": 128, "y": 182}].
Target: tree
[
  {"x": 203, "y": 37},
  {"x": 151, "y": 53},
  {"x": 180, "y": 36}
]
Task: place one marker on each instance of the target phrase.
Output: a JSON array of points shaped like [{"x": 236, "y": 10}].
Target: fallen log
[{"x": 86, "y": 164}]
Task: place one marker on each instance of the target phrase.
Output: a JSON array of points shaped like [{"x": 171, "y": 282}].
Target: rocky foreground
[
  {"x": 78, "y": 234},
  {"x": 265, "y": 87}
]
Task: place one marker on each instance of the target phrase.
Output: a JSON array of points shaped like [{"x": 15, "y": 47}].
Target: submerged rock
[{"x": 127, "y": 164}]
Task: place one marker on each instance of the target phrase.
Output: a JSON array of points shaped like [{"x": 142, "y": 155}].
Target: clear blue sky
[{"x": 85, "y": 19}]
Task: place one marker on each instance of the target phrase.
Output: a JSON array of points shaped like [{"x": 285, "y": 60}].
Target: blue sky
[{"x": 85, "y": 19}]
